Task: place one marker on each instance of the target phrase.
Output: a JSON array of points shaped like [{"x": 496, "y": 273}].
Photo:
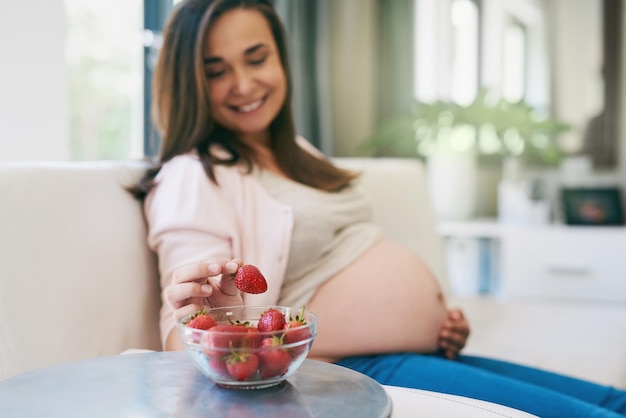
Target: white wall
[{"x": 34, "y": 123}]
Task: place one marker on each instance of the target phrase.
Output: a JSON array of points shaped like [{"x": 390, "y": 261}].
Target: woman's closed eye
[
  {"x": 215, "y": 72},
  {"x": 218, "y": 71},
  {"x": 257, "y": 61},
  {"x": 215, "y": 75}
]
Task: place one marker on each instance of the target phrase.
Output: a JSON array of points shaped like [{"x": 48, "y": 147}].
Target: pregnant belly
[{"x": 385, "y": 301}]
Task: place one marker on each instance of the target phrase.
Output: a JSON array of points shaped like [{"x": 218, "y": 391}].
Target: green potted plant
[{"x": 490, "y": 130}]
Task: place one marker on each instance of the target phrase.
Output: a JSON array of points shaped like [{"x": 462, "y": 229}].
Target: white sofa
[{"x": 77, "y": 280}]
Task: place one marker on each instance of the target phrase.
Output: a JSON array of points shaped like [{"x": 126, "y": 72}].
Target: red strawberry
[
  {"x": 271, "y": 320},
  {"x": 273, "y": 362},
  {"x": 242, "y": 365},
  {"x": 249, "y": 279},
  {"x": 201, "y": 321},
  {"x": 296, "y": 331},
  {"x": 217, "y": 364},
  {"x": 226, "y": 335},
  {"x": 253, "y": 338}
]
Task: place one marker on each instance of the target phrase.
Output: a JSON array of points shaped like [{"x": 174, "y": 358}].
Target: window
[
  {"x": 427, "y": 49},
  {"x": 104, "y": 73},
  {"x": 465, "y": 54},
  {"x": 110, "y": 57},
  {"x": 514, "y": 62},
  {"x": 155, "y": 15},
  {"x": 447, "y": 50}
]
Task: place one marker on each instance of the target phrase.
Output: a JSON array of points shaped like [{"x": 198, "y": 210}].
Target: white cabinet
[
  {"x": 578, "y": 263},
  {"x": 547, "y": 262}
]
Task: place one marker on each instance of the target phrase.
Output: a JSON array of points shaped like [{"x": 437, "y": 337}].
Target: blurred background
[
  {"x": 507, "y": 102},
  {"x": 522, "y": 86}
]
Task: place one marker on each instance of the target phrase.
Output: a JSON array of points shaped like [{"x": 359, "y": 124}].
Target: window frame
[{"x": 155, "y": 16}]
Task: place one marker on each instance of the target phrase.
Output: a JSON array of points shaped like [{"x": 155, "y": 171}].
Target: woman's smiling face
[{"x": 247, "y": 81}]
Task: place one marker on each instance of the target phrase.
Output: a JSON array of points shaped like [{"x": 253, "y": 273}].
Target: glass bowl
[{"x": 235, "y": 354}]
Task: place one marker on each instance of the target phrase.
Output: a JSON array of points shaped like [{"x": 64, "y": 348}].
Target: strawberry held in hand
[{"x": 249, "y": 279}]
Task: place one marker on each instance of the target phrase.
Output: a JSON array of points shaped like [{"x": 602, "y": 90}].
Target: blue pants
[{"x": 532, "y": 390}]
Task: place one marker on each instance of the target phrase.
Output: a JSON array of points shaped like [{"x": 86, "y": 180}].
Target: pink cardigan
[{"x": 191, "y": 219}]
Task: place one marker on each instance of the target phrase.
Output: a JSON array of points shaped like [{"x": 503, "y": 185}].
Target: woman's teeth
[{"x": 250, "y": 107}]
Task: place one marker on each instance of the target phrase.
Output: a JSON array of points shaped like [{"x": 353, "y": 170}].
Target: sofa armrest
[{"x": 409, "y": 403}]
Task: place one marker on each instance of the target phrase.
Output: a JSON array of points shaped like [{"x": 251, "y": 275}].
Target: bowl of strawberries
[{"x": 248, "y": 347}]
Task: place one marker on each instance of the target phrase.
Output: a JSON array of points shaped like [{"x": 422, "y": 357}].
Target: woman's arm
[{"x": 190, "y": 224}]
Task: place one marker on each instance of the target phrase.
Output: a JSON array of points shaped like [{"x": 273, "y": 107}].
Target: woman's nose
[{"x": 243, "y": 82}]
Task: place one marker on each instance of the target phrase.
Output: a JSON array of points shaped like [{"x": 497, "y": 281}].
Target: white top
[{"x": 330, "y": 230}]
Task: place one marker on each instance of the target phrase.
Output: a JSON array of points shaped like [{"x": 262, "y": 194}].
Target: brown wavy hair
[{"x": 182, "y": 114}]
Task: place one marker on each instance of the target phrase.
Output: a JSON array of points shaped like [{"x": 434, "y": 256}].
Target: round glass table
[{"x": 167, "y": 384}]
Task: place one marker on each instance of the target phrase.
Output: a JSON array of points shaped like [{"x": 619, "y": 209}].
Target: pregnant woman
[{"x": 234, "y": 183}]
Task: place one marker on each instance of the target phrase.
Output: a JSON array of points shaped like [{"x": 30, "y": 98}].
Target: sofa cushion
[{"x": 76, "y": 277}]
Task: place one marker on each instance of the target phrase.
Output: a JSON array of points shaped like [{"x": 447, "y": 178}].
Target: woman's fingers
[
  {"x": 179, "y": 294},
  {"x": 455, "y": 339},
  {"x": 195, "y": 284},
  {"x": 459, "y": 329},
  {"x": 456, "y": 323},
  {"x": 451, "y": 353},
  {"x": 195, "y": 271},
  {"x": 450, "y": 347},
  {"x": 226, "y": 284},
  {"x": 449, "y": 350}
]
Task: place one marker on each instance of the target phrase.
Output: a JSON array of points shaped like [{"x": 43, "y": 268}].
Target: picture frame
[{"x": 600, "y": 206}]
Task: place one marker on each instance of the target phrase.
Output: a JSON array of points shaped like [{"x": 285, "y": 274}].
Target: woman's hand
[
  {"x": 453, "y": 334},
  {"x": 203, "y": 285}
]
